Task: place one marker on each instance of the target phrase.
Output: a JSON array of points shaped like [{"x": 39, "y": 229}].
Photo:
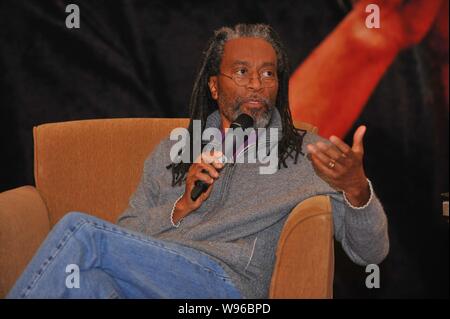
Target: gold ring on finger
[{"x": 331, "y": 164}]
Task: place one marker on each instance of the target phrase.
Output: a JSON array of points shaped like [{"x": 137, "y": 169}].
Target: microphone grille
[{"x": 243, "y": 121}]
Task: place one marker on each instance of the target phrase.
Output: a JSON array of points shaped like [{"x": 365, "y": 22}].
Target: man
[{"x": 221, "y": 245}]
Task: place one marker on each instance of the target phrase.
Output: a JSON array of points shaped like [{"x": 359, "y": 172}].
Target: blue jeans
[{"x": 114, "y": 262}]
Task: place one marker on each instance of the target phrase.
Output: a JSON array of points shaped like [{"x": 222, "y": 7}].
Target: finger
[
  {"x": 205, "y": 195},
  {"x": 331, "y": 151},
  {"x": 341, "y": 145},
  {"x": 210, "y": 169},
  {"x": 217, "y": 165},
  {"x": 209, "y": 157},
  {"x": 204, "y": 178},
  {"x": 214, "y": 159},
  {"x": 358, "y": 146},
  {"x": 321, "y": 168},
  {"x": 322, "y": 157}
]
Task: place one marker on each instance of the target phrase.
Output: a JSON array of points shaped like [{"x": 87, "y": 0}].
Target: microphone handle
[{"x": 199, "y": 188}]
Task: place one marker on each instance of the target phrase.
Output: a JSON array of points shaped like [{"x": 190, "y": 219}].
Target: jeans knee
[{"x": 71, "y": 219}]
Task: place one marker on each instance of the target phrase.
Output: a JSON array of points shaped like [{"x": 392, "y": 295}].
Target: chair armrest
[
  {"x": 304, "y": 265},
  {"x": 24, "y": 224}
]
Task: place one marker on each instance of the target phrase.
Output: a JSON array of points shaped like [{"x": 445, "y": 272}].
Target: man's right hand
[{"x": 206, "y": 168}]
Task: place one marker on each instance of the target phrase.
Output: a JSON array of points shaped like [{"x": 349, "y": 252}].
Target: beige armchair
[{"x": 94, "y": 166}]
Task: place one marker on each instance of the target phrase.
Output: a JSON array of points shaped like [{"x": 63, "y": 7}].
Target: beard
[{"x": 261, "y": 116}]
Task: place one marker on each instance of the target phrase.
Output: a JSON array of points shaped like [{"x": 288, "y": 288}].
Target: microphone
[{"x": 243, "y": 121}]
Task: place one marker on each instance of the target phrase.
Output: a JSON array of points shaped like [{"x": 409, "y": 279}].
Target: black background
[{"x": 139, "y": 59}]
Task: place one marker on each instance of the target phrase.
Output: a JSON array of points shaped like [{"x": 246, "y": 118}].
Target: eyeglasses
[{"x": 267, "y": 80}]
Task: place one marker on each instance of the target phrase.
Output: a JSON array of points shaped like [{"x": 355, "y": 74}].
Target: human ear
[{"x": 212, "y": 83}]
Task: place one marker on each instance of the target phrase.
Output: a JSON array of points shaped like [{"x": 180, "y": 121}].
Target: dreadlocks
[{"x": 202, "y": 104}]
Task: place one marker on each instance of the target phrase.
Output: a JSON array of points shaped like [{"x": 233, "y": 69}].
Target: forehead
[{"x": 254, "y": 51}]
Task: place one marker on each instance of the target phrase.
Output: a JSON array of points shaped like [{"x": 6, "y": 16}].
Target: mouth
[{"x": 254, "y": 104}]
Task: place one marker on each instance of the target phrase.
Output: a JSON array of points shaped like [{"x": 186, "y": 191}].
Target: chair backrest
[{"x": 94, "y": 166}]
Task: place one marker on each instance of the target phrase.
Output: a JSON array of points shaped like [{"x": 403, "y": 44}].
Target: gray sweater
[{"x": 240, "y": 223}]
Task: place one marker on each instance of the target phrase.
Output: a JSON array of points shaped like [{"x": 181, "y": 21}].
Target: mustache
[{"x": 260, "y": 99}]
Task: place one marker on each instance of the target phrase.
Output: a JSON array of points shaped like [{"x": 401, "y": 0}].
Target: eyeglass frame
[{"x": 250, "y": 78}]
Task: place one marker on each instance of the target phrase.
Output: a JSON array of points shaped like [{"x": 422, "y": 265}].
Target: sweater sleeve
[
  {"x": 144, "y": 214},
  {"x": 363, "y": 233}
]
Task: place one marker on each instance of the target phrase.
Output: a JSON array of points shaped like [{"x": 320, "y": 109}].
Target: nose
[{"x": 254, "y": 83}]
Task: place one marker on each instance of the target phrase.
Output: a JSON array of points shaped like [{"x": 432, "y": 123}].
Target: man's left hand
[{"x": 341, "y": 166}]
